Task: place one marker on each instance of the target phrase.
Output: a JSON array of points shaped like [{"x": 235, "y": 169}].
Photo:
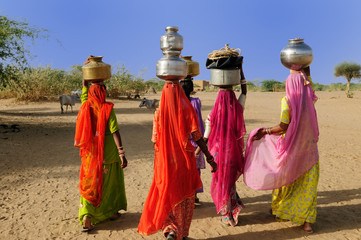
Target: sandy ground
[{"x": 39, "y": 167}]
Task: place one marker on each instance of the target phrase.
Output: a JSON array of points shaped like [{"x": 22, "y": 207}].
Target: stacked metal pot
[{"x": 171, "y": 66}]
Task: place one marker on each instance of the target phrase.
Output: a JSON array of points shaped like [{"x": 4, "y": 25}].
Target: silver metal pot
[
  {"x": 296, "y": 55},
  {"x": 225, "y": 77},
  {"x": 171, "y": 41},
  {"x": 171, "y": 68}
]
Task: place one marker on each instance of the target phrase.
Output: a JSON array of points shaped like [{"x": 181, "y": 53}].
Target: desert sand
[{"x": 39, "y": 173}]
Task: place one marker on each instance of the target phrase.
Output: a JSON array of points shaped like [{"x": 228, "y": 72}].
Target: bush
[
  {"x": 123, "y": 82},
  {"x": 337, "y": 87},
  {"x": 39, "y": 83},
  {"x": 42, "y": 83},
  {"x": 156, "y": 83},
  {"x": 272, "y": 86},
  {"x": 319, "y": 87},
  {"x": 250, "y": 87}
]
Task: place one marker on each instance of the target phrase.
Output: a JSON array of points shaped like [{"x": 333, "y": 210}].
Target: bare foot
[
  {"x": 87, "y": 226},
  {"x": 307, "y": 227}
]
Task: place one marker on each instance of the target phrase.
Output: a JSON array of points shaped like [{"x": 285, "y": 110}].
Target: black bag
[{"x": 225, "y": 63}]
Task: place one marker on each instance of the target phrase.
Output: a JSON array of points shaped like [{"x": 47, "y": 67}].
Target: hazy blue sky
[{"x": 128, "y": 32}]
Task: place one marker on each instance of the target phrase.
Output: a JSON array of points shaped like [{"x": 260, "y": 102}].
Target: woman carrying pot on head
[
  {"x": 103, "y": 158},
  {"x": 170, "y": 202},
  {"x": 289, "y": 150},
  {"x": 187, "y": 85},
  {"x": 225, "y": 130}
]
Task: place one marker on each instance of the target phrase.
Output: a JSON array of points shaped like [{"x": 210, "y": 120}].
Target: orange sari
[
  {"x": 89, "y": 137},
  {"x": 175, "y": 173}
]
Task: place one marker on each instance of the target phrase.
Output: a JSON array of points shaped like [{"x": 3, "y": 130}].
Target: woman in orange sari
[
  {"x": 103, "y": 159},
  {"x": 170, "y": 202}
]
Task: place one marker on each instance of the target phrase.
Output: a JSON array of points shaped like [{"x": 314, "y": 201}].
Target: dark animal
[
  {"x": 150, "y": 104},
  {"x": 13, "y": 128},
  {"x": 68, "y": 100}
]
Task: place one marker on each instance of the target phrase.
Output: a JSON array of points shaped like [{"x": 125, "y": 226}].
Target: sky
[{"x": 128, "y": 32}]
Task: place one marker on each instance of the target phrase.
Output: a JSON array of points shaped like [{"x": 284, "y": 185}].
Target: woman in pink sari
[
  {"x": 285, "y": 157},
  {"x": 225, "y": 130}
]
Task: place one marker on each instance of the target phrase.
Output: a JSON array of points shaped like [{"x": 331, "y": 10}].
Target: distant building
[{"x": 200, "y": 85}]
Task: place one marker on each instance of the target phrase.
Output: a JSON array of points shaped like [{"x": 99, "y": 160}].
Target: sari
[
  {"x": 200, "y": 162},
  {"x": 226, "y": 142},
  {"x": 101, "y": 176},
  {"x": 89, "y": 137},
  {"x": 289, "y": 163},
  {"x": 278, "y": 160},
  {"x": 175, "y": 178}
]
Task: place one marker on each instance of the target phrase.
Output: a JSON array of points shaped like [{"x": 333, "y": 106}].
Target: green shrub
[
  {"x": 319, "y": 87},
  {"x": 272, "y": 86},
  {"x": 156, "y": 83},
  {"x": 41, "y": 83}
]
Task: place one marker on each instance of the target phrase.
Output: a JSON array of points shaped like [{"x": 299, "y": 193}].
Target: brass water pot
[
  {"x": 192, "y": 66},
  {"x": 96, "y": 69}
]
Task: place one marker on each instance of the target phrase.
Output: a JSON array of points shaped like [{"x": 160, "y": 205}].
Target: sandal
[{"x": 87, "y": 229}]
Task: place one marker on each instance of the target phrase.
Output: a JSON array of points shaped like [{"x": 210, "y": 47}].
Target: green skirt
[{"x": 114, "y": 198}]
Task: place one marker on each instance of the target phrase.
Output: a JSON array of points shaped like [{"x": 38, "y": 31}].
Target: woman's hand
[
  {"x": 86, "y": 83},
  {"x": 211, "y": 162},
  {"x": 124, "y": 162},
  {"x": 214, "y": 166},
  {"x": 259, "y": 135},
  {"x": 197, "y": 152},
  {"x": 88, "y": 60}
]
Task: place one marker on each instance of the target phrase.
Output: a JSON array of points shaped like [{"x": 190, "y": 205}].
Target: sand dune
[{"x": 39, "y": 173}]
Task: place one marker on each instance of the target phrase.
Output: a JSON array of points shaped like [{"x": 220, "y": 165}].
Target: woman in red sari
[
  {"x": 170, "y": 202},
  {"x": 103, "y": 158}
]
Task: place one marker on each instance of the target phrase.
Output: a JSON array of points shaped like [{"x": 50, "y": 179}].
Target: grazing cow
[
  {"x": 68, "y": 100},
  {"x": 150, "y": 104}
]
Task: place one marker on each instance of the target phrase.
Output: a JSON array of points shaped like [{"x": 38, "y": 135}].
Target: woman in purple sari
[{"x": 187, "y": 85}]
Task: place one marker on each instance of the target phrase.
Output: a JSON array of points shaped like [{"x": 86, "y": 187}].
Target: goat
[
  {"x": 68, "y": 100},
  {"x": 150, "y": 104}
]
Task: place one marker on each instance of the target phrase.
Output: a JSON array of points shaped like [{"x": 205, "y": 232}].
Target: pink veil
[
  {"x": 226, "y": 145},
  {"x": 275, "y": 161}
]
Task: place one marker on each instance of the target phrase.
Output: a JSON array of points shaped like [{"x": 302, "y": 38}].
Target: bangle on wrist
[
  {"x": 268, "y": 131},
  {"x": 121, "y": 152},
  {"x": 243, "y": 82}
]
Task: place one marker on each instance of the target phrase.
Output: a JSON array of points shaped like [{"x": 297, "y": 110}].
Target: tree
[
  {"x": 348, "y": 70},
  {"x": 272, "y": 86},
  {"x": 13, "y": 35}
]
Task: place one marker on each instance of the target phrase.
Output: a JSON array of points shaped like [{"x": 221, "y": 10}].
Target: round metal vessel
[
  {"x": 296, "y": 55},
  {"x": 171, "y": 40},
  {"x": 225, "y": 77},
  {"x": 96, "y": 69},
  {"x": 192, "y": 66},
  {"x": 171, "y": 68}
]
